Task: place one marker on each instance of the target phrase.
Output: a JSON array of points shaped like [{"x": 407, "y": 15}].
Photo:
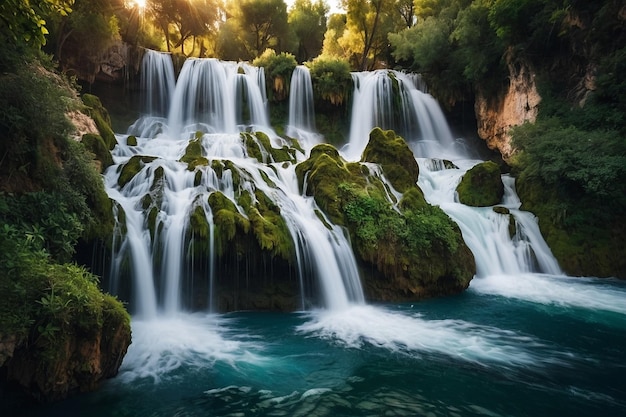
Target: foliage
[
  {"x": 278, "y": 69},
  {"x": 577, "y": 162},
  {"x": 307, "y": 20},
  {"x": 331, "y": 79},
  {"x": 25, "y": 21},
  {"x": 45, "y": 303},
  {"x": 88, "y": 31},
  {"x": 190, "y": 19},
  {"x": 254, "y": 26}
]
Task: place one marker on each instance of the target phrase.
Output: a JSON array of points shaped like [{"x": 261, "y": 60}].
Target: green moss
[
  {"x": 394, "y": 156},
  {"x": 193, "y": 153},
  {"x": 481, "y": 186},
  {"x": 131, "y": 140},
  {"x": 132, "y": 168},
  {"x": 95, "y": 144},
  {"x": 325, "y": 170},
  {"x": 413, "y": 199},
  {"x": 198, "y": 232},
  {"x": 228, "y": 221},
  {"x": 258, "y": 145},
  {"x": 269, "y": 227},
  {"x": 100, "y": 115}
]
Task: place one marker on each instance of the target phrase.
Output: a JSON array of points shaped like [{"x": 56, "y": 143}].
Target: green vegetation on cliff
[{"x": 66, "y": 334}]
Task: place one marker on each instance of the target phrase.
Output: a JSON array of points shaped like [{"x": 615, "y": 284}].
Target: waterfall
[
  {"x": 157, "y": 83},
  {"x": 487, "y": 232},
  {"x": 391, "y": 100},
  {"x": 212, "y": 103},
  {"x": 301, "y": 123},
  {"x": 394, "y": 100}
]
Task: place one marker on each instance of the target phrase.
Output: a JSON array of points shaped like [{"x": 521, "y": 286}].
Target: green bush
[
  {"x": 278, "y": 70},
  {"x": 331, "y": 79}
]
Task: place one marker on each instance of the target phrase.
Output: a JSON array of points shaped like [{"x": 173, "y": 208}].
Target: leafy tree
[
  {"x": 254, "y": 26},
  {"x": 25, "y": 21},
  {"x": 88, "y": 31},
  {"x": 307, "y": 19},
  {"x": 335, "y": 28},
  {"x": 189, "y": 18},
  {"x": 368, "y": 22}
]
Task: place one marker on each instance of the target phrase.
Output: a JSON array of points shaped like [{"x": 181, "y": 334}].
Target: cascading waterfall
[
  {"x": 391, "y": 100},
  {"x": 157, "y": 83},
  {"x": 301, "y": 123},
  {"x": 487, "y": 232},
  {"x": 213, "y": 101}
]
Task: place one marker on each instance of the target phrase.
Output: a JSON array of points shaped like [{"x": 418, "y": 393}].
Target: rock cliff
[{"x": 518, "y": 104}]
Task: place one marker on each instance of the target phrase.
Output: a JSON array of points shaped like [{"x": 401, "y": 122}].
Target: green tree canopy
[{"x": 307, "y": 19}]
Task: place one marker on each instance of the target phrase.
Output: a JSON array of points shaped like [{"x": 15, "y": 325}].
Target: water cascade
[
  {"x": 157, "y": 83},
  {"x": 301, "y": 123},
  {"x": 391, "y": 100},
  {"x": 166, "y": 200}
]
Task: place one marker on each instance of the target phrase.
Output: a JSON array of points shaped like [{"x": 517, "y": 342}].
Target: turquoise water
[{"x": 502, "y": 352}]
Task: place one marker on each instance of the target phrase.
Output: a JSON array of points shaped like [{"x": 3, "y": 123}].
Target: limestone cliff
[{"x": 518, "y": 104}]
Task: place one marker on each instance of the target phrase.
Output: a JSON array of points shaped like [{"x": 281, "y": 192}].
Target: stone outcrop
[
  {"x": 481, "y": 186},
  {"x": 519, "y": 104},
  {"x": 77, "y": 359}
]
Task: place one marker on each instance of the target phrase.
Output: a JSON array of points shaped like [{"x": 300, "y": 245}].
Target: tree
[
  {"x": 26, "y": 20},
  {"x": 335, "y": 28},
  {"x": 261, "y": 25},
  {"x": 189, "y": 18},
  {"x": 307, "y": 19}
]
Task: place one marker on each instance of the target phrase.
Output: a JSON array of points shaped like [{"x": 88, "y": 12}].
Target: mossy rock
[
  {"x": 325, "y": 170},
  {"x": 416, "y": 253},
  {"x": 258, "y": 146},
  {"x": 198, "y": 232},
  {"x": 269, "y": 227},
  {"x": 131, "y": 140},
  {"x": 394, "y": 156},
  {"x": 413, "y": 199},
  {"x": 100, "y": 115},
  {"x": 95, "y": 144},
  {"x": 132, "y": 168},
  {"x": 481, "y": 186},
  {"x": 228, "y": 221},
  {"x": 193, "y": 154}
]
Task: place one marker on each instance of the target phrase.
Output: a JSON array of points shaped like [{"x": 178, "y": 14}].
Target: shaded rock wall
[{"x": 518, "y": 104}]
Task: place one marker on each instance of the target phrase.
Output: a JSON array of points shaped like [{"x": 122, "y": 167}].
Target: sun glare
[{"x": 140, "y": 3}]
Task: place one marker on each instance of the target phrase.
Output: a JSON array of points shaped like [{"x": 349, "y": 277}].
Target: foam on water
[
  {"x": 364, "y": 325},
  {"x": 164, "y": 344},
  {"x": 588, "y": 293}
]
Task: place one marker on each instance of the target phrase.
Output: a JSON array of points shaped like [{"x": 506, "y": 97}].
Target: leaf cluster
[{"x": 331, "y": 78}]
